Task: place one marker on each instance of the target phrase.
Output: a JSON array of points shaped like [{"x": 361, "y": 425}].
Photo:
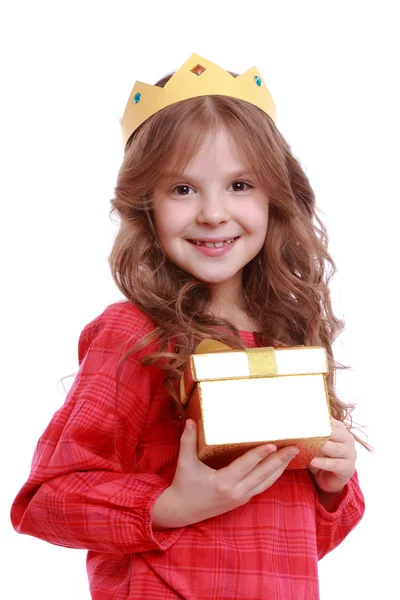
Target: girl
[{"x": 219, "y": 238}]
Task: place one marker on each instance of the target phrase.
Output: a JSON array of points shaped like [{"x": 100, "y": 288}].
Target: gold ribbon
[
  {"x": 208, "y": 346},
  {"x": 262, "y": 362}
]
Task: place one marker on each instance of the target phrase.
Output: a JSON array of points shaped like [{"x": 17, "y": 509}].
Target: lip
[
  {"x": 214, "y": 251},
  {"x": 215, "y": 240}
]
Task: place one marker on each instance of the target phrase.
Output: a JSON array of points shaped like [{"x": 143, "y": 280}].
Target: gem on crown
[
  {"x": 198, "y": 69},
  {"x": 258, "y": 81},
  {"x": 137, "y": 97}
]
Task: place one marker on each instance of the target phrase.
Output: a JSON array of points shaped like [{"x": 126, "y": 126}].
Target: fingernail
[
  {"x": 270, "y": 448},
  {"x": 189, "y": 425},
  {"x": 267, "y": 450},
  {"x": 292, "y": 454}
]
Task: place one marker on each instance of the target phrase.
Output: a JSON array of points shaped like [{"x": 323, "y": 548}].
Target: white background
[{"x": 67, "y": 69}]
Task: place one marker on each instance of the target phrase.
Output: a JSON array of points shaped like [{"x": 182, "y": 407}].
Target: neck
[
  {"x": 228, "y": 302},
  {"x": 227, "y": 294}
]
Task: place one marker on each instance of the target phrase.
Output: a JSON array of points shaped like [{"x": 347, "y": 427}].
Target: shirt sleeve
[
  {"x": 82, "y": 491},
  {"x": 333, "y": 527}
]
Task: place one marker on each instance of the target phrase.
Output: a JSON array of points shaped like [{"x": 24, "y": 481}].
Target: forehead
[{"x": 215, "y": 148}]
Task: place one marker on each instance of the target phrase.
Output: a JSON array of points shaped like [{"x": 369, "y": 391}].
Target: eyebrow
[{"x": 176, "y": 175}]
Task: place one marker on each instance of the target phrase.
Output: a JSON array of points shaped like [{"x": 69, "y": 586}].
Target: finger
[
  {"x": 239, "y": 468},
  {"x": 339, "y": 431},
  {"x": 265, "y": 473},
  {"x": 266, "y": 483},
  {"x": 188, "y": 444},
  {"x": 327, "y": 464},
  {"x": 334, "y": 450}
]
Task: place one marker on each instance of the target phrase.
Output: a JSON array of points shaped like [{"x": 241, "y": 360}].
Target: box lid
[{"x": 215, "y": 361}]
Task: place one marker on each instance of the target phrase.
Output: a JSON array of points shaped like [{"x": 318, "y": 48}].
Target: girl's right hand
[{"x": 199, "y": 492}]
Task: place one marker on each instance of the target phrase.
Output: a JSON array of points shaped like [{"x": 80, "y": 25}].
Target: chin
[{"x": 213, "y": 278}]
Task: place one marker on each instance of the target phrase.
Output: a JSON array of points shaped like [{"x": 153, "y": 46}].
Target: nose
[{"x": 212, "y": 211}]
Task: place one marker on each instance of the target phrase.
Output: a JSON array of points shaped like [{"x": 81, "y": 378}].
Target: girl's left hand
[{"x": 335, "y": 463}]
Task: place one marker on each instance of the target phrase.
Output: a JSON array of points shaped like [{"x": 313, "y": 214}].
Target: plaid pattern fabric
[{"x": 102, "y": 462}]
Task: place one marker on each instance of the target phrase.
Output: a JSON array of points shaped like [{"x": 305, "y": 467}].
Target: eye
[
  {"x": 182, "y": 190},
  {"x": 238, "y": 186}
]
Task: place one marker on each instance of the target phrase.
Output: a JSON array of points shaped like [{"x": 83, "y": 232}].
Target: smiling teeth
[{"x": 213, "y": 244}]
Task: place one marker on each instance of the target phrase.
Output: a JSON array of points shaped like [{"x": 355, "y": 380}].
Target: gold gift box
[{"x": 241, "y": 399}]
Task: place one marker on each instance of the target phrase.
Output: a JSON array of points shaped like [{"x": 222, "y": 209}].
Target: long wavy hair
[{"x": 285, "y": 285}]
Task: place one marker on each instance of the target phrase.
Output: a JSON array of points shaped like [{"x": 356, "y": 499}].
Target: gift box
[{"x": 241, "y": 399}]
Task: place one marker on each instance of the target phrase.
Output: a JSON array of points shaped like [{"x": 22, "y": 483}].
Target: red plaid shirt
[{"x": 100, "y": 465}]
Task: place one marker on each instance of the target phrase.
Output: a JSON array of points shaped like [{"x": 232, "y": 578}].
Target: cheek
[
  {"x": 257, "y": 218},
  {"x": 169, "y": 222}
]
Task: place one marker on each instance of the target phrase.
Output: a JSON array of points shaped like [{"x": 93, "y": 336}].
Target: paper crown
[{"x": 196, "y": 77}]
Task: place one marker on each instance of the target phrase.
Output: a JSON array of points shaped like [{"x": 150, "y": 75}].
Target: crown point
[
  {"x": 137, "y": 97},
  {"x": 258, "y": 81}
]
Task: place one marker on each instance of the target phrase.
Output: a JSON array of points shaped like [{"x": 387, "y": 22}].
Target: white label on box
[{"x": 254, "y": 410}]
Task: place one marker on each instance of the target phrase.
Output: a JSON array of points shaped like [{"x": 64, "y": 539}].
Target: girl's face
[{"x": 212, "y": 220}]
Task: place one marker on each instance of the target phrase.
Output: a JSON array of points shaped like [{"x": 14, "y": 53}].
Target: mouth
[{"x": 219, "y": 244}]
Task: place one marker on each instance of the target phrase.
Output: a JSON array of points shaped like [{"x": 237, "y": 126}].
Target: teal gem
[
  {"x": 258, "y": 81},
  {"x": 137, "y": 97}
]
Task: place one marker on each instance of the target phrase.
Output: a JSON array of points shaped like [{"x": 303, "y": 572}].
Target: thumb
[
  {"x": 188, "y": 449},
  {"x": 311, "y": 467},
  {"x": 313, "y": 470}
]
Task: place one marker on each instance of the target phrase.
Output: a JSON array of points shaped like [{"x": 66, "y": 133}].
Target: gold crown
[{"x": 196, "y": 77}]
